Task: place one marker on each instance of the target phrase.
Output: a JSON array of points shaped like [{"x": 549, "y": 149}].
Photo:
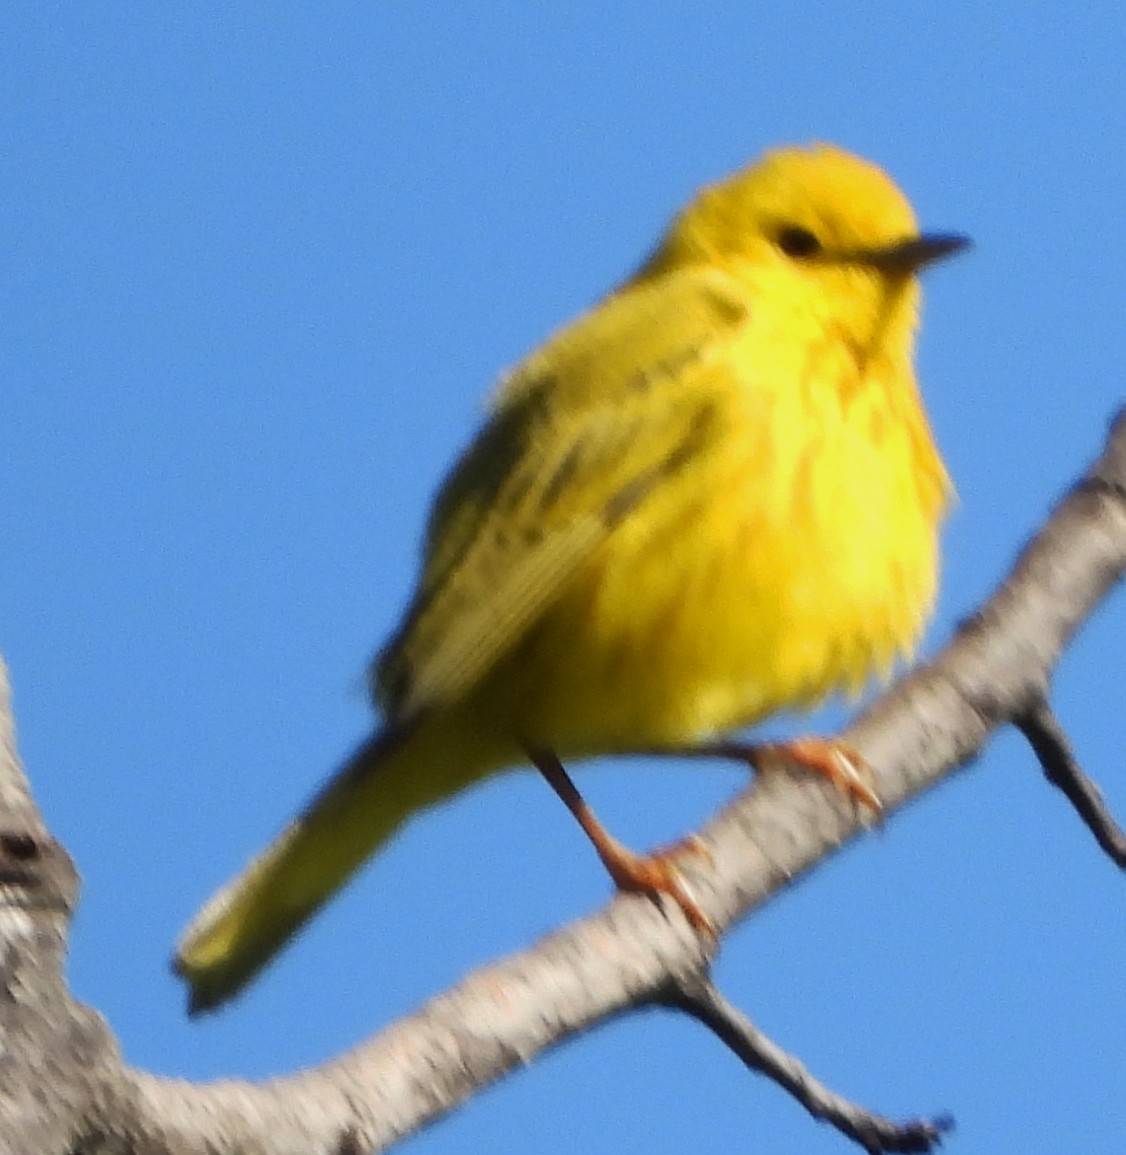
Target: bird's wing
[{"x": 583, "y": 432}]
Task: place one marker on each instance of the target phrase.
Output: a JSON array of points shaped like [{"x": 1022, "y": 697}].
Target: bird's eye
[{"x": 795, "y": 241}]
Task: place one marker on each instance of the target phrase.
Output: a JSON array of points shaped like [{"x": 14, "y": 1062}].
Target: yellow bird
[{"x": 712, "y": 497}]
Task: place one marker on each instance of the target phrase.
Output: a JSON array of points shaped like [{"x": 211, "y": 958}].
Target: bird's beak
[{"x": 912, "y": 254}]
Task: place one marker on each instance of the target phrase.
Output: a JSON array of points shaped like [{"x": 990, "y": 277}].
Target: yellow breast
[{"x": 797, "y": 556}]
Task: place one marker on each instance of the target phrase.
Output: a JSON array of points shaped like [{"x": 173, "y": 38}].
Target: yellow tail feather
[{"x": 387, "y": 779}]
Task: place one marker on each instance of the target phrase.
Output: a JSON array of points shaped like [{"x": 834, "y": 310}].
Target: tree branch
[
  {"x": 631, "y": 954},
  {"x": 1046, "y": 737},
  {"x": 874, "y": 1133}
]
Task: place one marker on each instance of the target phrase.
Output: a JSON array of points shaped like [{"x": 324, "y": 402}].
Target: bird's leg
[
  {"x": 650, "y": 874},
  {"x": 842, "y": 765}
]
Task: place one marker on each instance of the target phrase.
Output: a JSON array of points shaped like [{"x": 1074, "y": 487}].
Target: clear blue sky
[{"x": 259, "y": 266}]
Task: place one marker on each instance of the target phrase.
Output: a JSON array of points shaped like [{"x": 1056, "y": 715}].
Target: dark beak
[{"x": 914, "y": 253}]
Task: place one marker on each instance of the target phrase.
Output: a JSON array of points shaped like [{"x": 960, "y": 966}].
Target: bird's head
[{"x": 816, "y": 226}]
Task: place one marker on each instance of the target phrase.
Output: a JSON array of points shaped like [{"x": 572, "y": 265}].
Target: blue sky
[{"x": 260, "y": 267}]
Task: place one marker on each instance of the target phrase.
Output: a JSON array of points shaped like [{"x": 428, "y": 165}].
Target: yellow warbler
[{"x": 713, "y": 496}]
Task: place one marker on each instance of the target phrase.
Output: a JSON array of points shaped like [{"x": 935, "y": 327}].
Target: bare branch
[
  {"x": 874, "y": 1133},
  {"x": 1046, "y": 737},
  {"x": 995, "y": 670}
]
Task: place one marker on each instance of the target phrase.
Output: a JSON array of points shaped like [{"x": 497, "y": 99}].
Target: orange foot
[
  {"x": 654, "y": 873},
  {"x": 650, "y": 874},
  {"x": 842, "y": 765}
]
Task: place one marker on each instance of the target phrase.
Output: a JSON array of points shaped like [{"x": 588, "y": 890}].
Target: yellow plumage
[{"x": 713, "y": 496}]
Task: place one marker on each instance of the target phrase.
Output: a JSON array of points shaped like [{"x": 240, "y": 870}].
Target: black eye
[{"x": 795, "y": 241}]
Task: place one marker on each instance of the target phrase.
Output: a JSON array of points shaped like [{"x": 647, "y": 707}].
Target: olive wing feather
[{"x": 582, "y": 432}]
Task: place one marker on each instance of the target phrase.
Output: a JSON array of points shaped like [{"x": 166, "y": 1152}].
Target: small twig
[
  {"x": 1046, "y": 737},
  {"x": 699, "y": 998}
]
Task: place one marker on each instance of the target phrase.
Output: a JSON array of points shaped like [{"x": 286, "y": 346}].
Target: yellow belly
[{"x": 797, "y": 558}]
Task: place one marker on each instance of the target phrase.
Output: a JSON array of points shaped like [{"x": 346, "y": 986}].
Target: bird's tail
[{"x": 390, "y": 777}]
